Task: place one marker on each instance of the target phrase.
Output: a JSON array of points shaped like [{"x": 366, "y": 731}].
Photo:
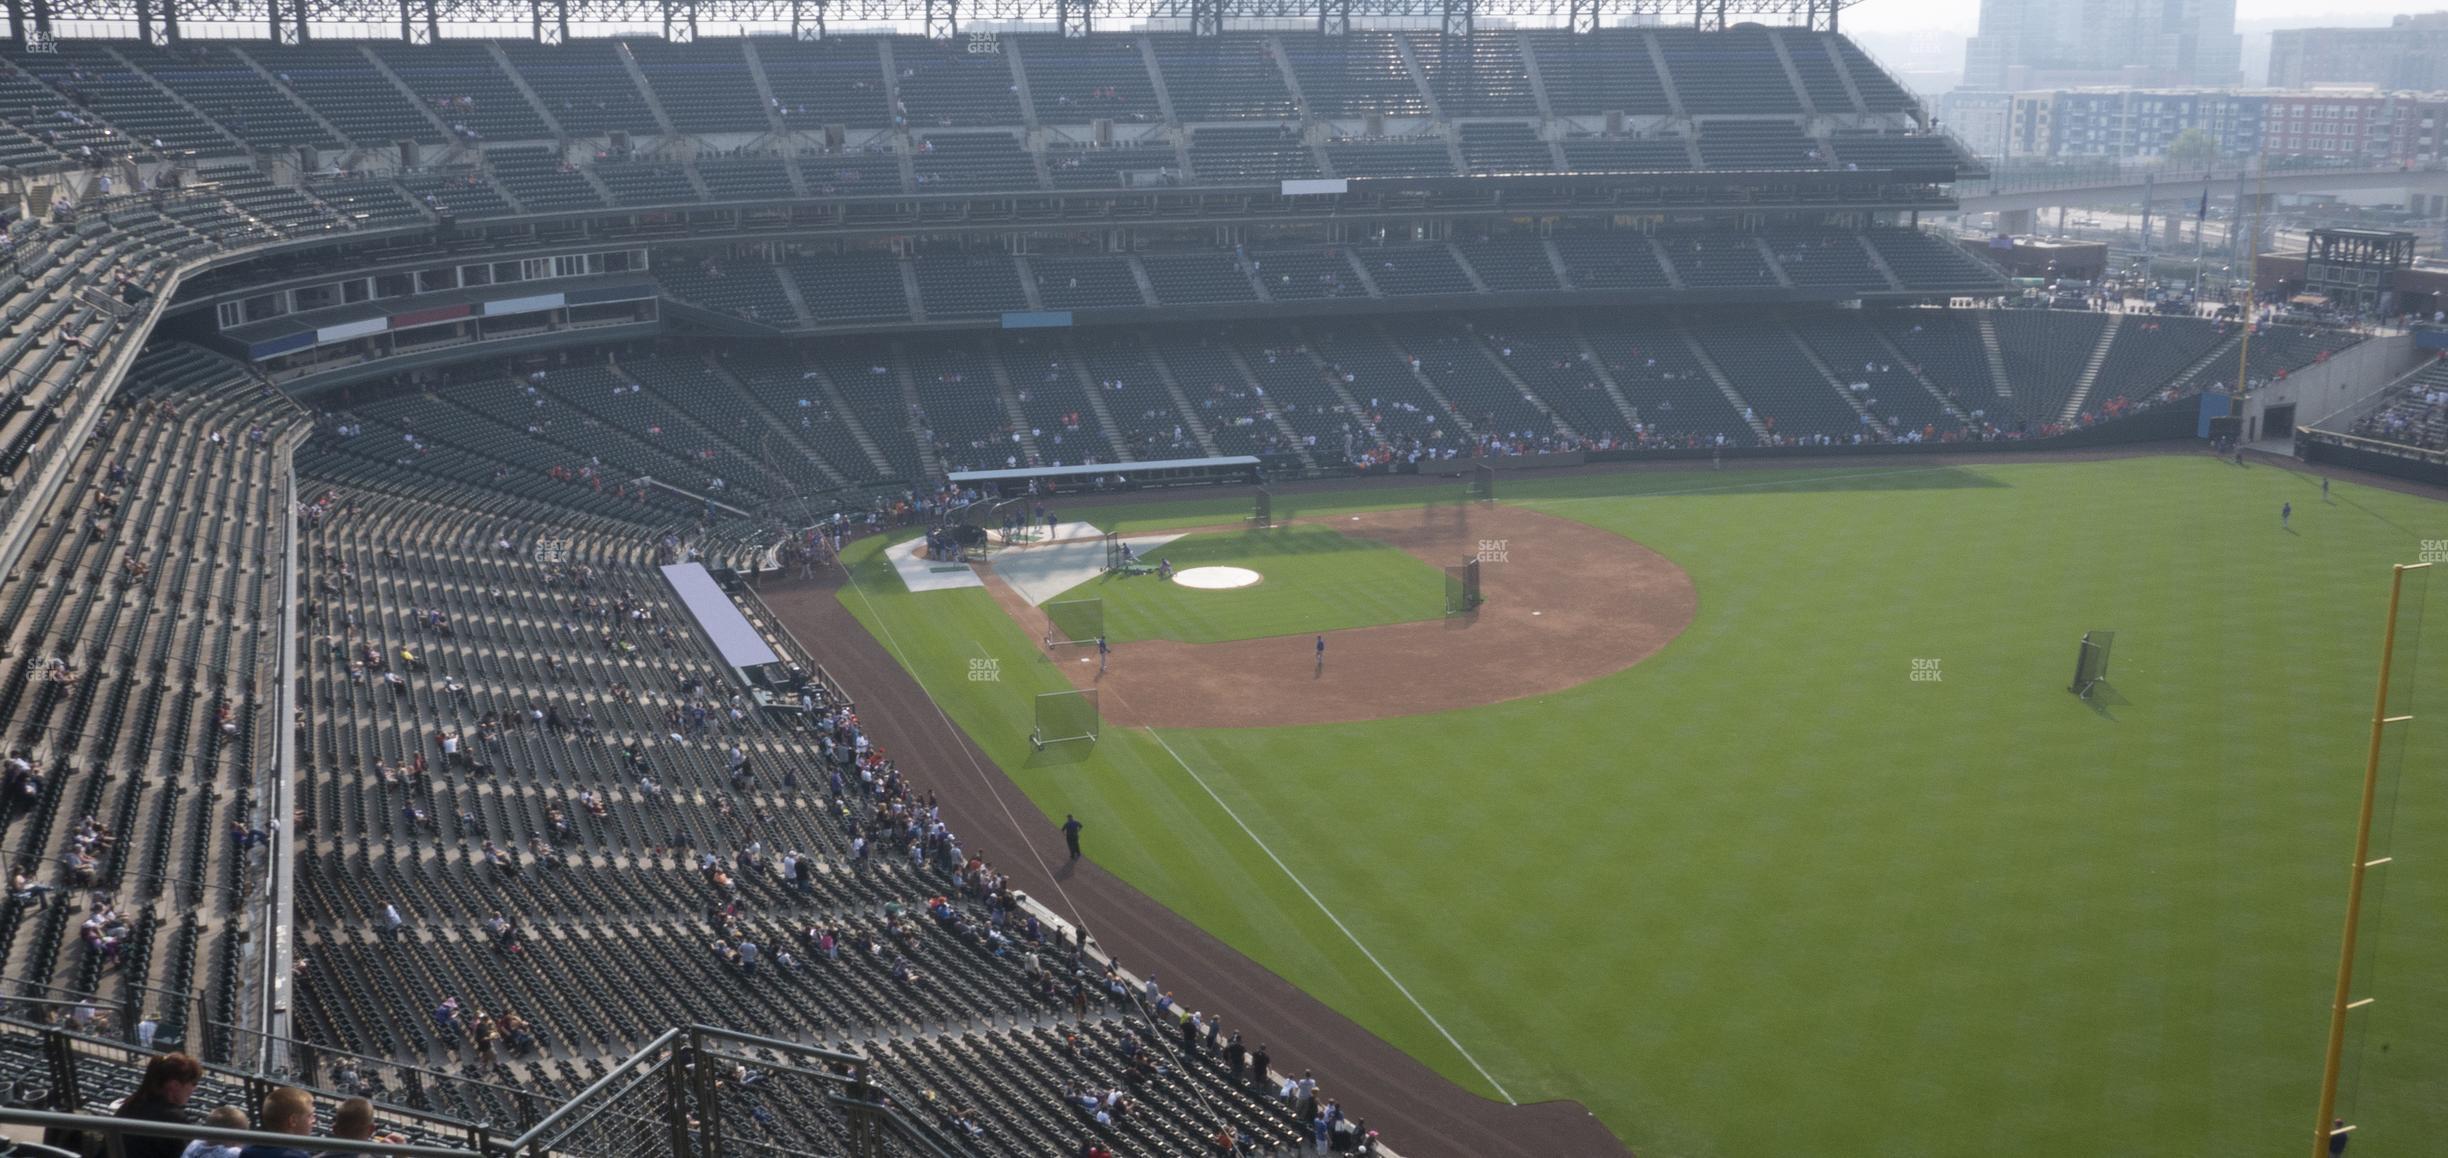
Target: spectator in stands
[
  {"x": 354, "y": 1121},
  {"x": 222, "y": 1118},
  {"x": 23, "y": 887},
  {"x": 519, "y": 1035},
  {"x": 392, "y": 923},
  {"x": 169, "y": 1080},
  {"x": 286, "y": 1110},
  {"x": 446, "y": 1020},
  {"x": 80, "y": 867}
]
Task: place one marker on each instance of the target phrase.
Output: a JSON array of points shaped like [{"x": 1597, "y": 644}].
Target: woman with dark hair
[{"x": 169, "y": 1080}]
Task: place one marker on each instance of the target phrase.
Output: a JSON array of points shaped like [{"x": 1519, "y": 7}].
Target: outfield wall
[
  {"x": 2163, "y": 423},
  {"x": 2376, "y": 457}
]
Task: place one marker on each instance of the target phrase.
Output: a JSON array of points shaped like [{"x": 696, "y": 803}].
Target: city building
[
  {"x": 2026, "y": 44},
  {"x": 2104, "y": 123},
  {"x": 2344, "y": 126},
  {"x": 2411, "y": 53}
]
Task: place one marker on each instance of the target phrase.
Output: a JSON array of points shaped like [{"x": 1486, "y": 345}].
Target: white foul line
[{"x": 1338, "y": 921}]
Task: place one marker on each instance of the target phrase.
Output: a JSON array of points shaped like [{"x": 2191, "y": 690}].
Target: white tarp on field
[
  {"x": 1043, "y": 571},
  {"x": 921, "y": 574}
]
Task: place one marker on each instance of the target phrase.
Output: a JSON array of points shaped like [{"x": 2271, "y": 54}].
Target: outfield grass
[
  {"x": 1312, "y": 579},
  {"x": 1764, "y": 894}
]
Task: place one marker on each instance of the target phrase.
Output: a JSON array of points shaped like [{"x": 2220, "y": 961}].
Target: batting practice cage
[
  {"x": 2091, "y": 663},
  {"x": 1483, "y": 483},
  {"x": 1065, "y": 716},
  {"x": 1462, "y": 588},
  {"x": 1007, "y": 518},
  {"x": 1117, "y": 556},
  {"x": 1074, "y": 622},
  {"x": 1262, "y": 510}
]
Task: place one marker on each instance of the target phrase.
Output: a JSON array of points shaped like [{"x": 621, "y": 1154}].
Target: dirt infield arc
[{"x": 1566, "y": 604}]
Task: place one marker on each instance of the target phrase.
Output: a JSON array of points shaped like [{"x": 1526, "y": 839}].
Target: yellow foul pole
[{"x": 2344, "y": 1001}]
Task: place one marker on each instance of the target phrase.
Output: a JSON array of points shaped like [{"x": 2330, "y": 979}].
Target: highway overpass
[{"x": 2186, "y": 188}]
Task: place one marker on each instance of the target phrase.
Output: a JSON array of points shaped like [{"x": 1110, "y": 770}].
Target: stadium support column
[
  {"x": 1074, "y": 18},
  {"x": 1454, "y": 46},
  {"x": 557, "y": 32},
  {"x": 1334, "y": 18},
  {"x": 2149, "y": 184},
  {"x": 16, "y": 11}
]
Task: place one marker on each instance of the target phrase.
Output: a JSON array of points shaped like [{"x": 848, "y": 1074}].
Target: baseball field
[{"x": 1752, "y": 810}]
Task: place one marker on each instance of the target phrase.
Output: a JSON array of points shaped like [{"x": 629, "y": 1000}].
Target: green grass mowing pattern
[
  {"x": 1764, "y": 894},
  {"x": 1312, "y": 579}
]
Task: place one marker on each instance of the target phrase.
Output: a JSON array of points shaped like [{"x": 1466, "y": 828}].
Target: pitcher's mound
[{"x": 1215, "y": 578}]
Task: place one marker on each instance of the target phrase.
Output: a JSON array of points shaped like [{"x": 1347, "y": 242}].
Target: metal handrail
[
  {"x": 645, "y": 1056},
  {"x": 114, "y": 1132},
  {"x": 2374, "y": 445}
]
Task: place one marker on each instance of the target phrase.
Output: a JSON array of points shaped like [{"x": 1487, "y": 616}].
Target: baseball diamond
[{"x": 1759, "y": 695}]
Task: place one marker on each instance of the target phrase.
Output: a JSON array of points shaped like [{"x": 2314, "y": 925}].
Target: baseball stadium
[{"x": 1185, "y": 577}]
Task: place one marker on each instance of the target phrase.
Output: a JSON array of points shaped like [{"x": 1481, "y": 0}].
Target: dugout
[{"x": 1110, "y": 477}]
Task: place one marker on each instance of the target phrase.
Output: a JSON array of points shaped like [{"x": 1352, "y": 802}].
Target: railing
[
  {"x": 2373, "y": 445},
  {"x": 676, "y": 1096},
  {"x": 112, "y": 1134},
  {"x": 273, "y": 978},
  {"x": 75, "y": 1063},
  {"x": 2007, "y": 179},
  {"x": 398, "y": 1087}
]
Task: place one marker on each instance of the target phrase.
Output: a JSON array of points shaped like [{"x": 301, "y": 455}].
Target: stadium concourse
[{"x": 357, "y": 388}]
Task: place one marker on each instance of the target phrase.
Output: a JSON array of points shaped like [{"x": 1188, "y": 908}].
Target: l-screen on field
[{"x": 1752, "y": 810}]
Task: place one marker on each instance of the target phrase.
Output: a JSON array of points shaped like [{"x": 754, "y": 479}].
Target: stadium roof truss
[{"x": 418, "y": 21}]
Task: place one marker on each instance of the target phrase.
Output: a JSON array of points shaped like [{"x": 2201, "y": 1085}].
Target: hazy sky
[{"x": 1962, "y": 17}]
